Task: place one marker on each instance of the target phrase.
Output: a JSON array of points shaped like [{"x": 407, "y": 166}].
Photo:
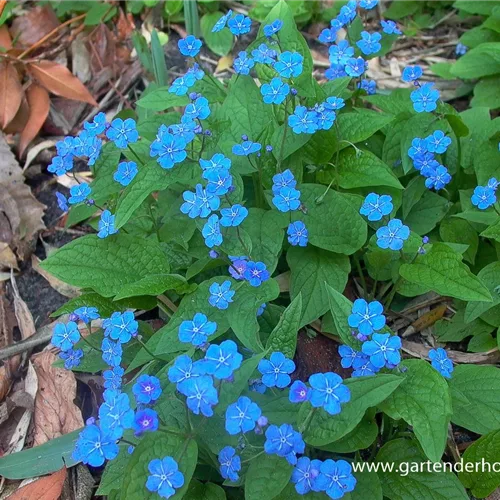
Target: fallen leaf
[
  {"x": 58, "y": 285},
  {"x": 17, "y": 125},
  {"x": 102, "y": 49},
  {"x": 125, "y": 25},
  {"x": 59, "y": 80},
  {"x": 36, "y": 150},
  {"x": 33, "y": 25},
  {"x": 5, "y": 39},
  {"x": 429, "y": 318},
  {"x": 23, "y": 315},
  {"x": 39, "y": 104},
  {"x": 7, "y": 257},
  {"x": 81, "y": 58},
  {"x": 55, "y": 412},
  {"x": 11, "y": 93},
  {"x": 45, "y": 488},
  {"x": 224, "y": 63}
]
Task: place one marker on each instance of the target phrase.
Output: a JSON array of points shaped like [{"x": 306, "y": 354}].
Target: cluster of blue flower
[
  {"x": 425, "y": 97},
  {"x": 423, "y": 151},
  {"x": 485, "y": 196}
]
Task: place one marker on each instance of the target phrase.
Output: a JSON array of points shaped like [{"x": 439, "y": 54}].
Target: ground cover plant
[{"x": 243, "y": 210}]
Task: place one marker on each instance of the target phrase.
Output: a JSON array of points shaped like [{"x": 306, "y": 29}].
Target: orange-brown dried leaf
[
  {"x": 5, "y": 39},
  {"x": 55, "y": 412},
  {"x": 59, "y": 80},
  {"x": 11, "y": 93},
  {"x": 429, "y": 318},
  {"x": 39, "y": 104},
  {"x": 45, "y": 488},
  {"x": 20, "y": 120},
  {"x": 34, "y": 25}
]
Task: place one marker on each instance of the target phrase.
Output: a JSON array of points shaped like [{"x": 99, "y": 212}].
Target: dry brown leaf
[
  {"x": 58, "y": 285},
  {"x": 20, "y": 120},
  {"x": 23, "y": 315},
  {"x": 102, "y": 49},
  {"x": 34, "y": 25},
  {"x": 39, "y": 104},
  {"x": 224, "y": 63},
  {"x": 34, "y": 151},
  {"x": 7, "y": 257},
  {"x": 81, "y": 58},
  {"x": 55, "y": 412},
  {"x": 5, "y": 39},
  {"x": 11, "y": 93},
  {"x": 59, "y": 80},
  {"x": 45, "y": 488}
]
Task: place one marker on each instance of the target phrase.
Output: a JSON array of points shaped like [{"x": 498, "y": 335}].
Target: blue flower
[
  {"x": 106, "y": 225},
  {"x": 189, "y": 46},
  {"x": 87, "y": 314},
  {"x": 255, "y": 273},
  {"x": 197, "y": 331},
  {"x": 493, "y": 184},
  {"x": 324, "y": 116},
  {"x": 411, "y": 73},
  {"x": 66, "y": 146},
  {"x": 113, "y": 378},
  {"x": 146, "y": 420},
  {"x": 383, "y": 349},
  {"x": 461, "y": 49},
  {"x": 436, "y": 178},
  {"x": 198, "y": 109},
  {"x": 122, "y": 326},
  {"x": 348, "y": 12},
  {"x": 257, "y": 386},
  {"x": 93, "y": 150},
  {"x": 336, "y": 478},
  {"x": 97, "y": 126},
  {"x": 201, "y": 394},
  {"x": 390, "y": 28},
  {"x": 164, "y": 477},
  {"x": 182, "y": 84},
  {"x": 261, "y": 309},
  {"x": 246, "y": 148},
  {"x": 243, "y": 64},
  {"x": 441, "y": 362},
  {"x": 303, "y": 121},
  {"x": 424, "y": 98},
  {"x": 328, "y": 391},
  {"x": 438, "y": 142},
  {"x": 483, "y": 197},
  {"x": 298, "y": 234},
  {"x": 369, "y": 43},
  {"x": 305, "y": 475},
  {"x": 115, "y": 413},
  {"x": 348, "y": 356},
  {"x": 199, "y": 203},
  {"x": 355, "y": 66},
  {"x": 62, "y": 201},
  {"x": 94, "y": 446},
  {"x": 369, "y": 86},
  {"x": 184, "y": 369},
  {"x": 363, "y": 367},
  {"x": 335, "y": 71},
  {"x": 195, "y": 71},
  {"x": 217, "y": 162},
  {"x": 122, "y": 132},
  {"x": 221, "y": 23},
  {"x": 79, "y": 193},
  {"x": 230, "y": 463},
  {"x": 425, "y": 161},
  {"x": 289, "y": 64},
  {"x": 368, "y": 4},
  {"x": 237, "y": 268},
  {"x": 221, "y": 295},
  {"x": 393, "y": 235},
  {"x": 287, "y": 199},
  {"x": 222, "y": 360},
  {"x": 211, "y": 232},
  {"x": 284, "y": 441},
  {"x": 219, "y": 182},
  {"x": 186, "y": 129},
  {"x": 233, "y": 216},
  {"x": 275, "y": 370},
  {"x": 111, "y": 352},
  {"x": 328, "y": 35},
  {"x": 146, "y": 389},
  {"x": 242, "y": 416},
  {"x": 334, "y": 103},
  {"x": 299, "y": 392},
  {"x": 275, "y": 92},
  {"x": 418, "y": 147},
  {"x": 375, "y": 207},
  {"x": 340, "y": 53},
  {"x": 284, "y": 179},
  {"x": 71, "y": 357},
  {"x": 65, "y": 336},
  {"x": 273, "y": 28},
  {"x": 239, "y": 24},
  {"x": 264, "y": 55}
]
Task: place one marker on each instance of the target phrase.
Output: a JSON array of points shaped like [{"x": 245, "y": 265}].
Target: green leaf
[
  {"x": 456, "y": 329},
  {"x": 482, "y": 481},
  {"x": 310, "y": 269},
  {"x": 367, "y": 486},
  {"x": 398, "y": 102},
  {"x": 403, "y": 482},
  {"x": 366, "y": 392},
  {"x": 364, "y": 170},
  {"x": 106, "y": 307},
  {"x": 340, "y": 307},
  {"x": 442, "y": 270},
  {"x": 492, "y": 232},
  {"x": 112, "y": 476},
  {"x": 267, "y": 477},
  {"x": 334, "y": 224},
  {"x": 490, "y": 277},
  {"x": 413, "y": 194},
  {"x": 423, "y": 400},
  {"x": 482, "y": 343},
  {"x": 284, "y": 337},
  {"x": 40, "y": 460},
  {"x": 391, "y": 150},
  {"x": 106, "y": 265},
  {"x": 475, "y": 392},
  {"x": 153, "y": 284},
  {"x": 161, "y": 99},
  {"x": 455, "y": 230},
  {"x": 483, "y": 60},
  {"x": 99, "y": 13},
  {"x": 427, "y": 212},
  {"x": 484, "y": 7},
  {"x": 219, "y": 43},
  {"x": 158, "y": 445},
  {"x": 204, "y": 491},
  {"x": 360, "y": 124},
  {"x": 486, "y": 93},
  {"x": 421, "y": 122}
]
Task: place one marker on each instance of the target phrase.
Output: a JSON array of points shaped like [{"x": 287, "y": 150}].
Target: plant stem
[
  {"x": 361, "y": 275},
  {"x": 129, "y": 147},
  {"x": 282, "y": 147},
  {"x": 252, "y": 458},
  {"x": 145, "y": 347},
  {"x": 307, "y": 422}
]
